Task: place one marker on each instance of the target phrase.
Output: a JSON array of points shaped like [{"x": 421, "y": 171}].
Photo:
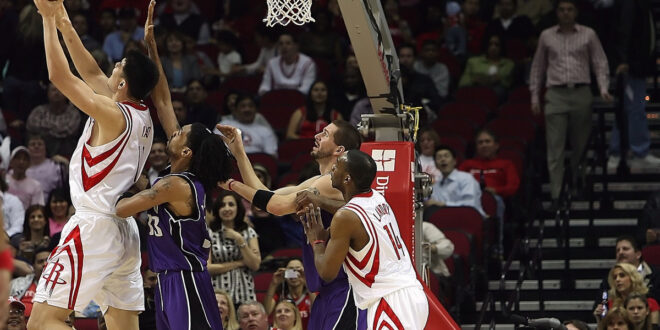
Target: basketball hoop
[{"x": 284, "y": 12}]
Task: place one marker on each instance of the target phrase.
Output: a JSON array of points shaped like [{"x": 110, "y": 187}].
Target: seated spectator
[
  {"x": 158, "y": 159},
  {"x": 455, "y": 188},
  {"x": 290, "y": 69},
  {"x": 490, "y": 69},
  {"x": 310, "y": 119},
  {"x": 105, "y": 24},
  {"x": 12, "y": 210},
  {"x": 418, "y": 88},
  {"x": 36, "y": 232},
  {"x": 496, "y": 175},
  {"x": 616, "y": 319},
  {"x": 58, "y": 120},
  {"x": 28, "y": 190},
  {"x": 16, "y": 318},
  {"x": 624, "y": 279},
  {"x": 637, "y": 306},
  {"x": 256, "y": 137},
  {"x": 57, "y": 211},
  {"x": 227, "y": 310},
  {"x": 509, "y": 25},
  {"x": 321, "y": 41},
  {"x": 426, "y": 145},
  {"x": 79, "y": 23},
  {"x": 267, "y": 226},
  {"x": 235, "y": 249},
  {"x": 348, "y": 90},
  {"x": 435, "y": 249},
  {"x": 114, "y": 43},
  {"x": 399, "y": 27},
  {"x": 252, "y": 315},
  {"x": 266, "y": 39},
  {"x": 287, "y": 316},
  {"x": 199, "y": 110},
  {"x": 474, "y": 26},
  {"x": 50, "y": 172},
  {"x": 455, "y": 34},
  {"x": 290, "y": 281},
  {"x": 361, "y": 107},
  {"x": 429, "y": 65},
  {"x": 229, "y": 108},
  {"x": 628, "y": 251},
  {"x": 648, "y": 223},
  {"x": 184, "y": 18},
  {"x": 180, "y": 67},
  {"x": 23, "y": 288},
  {"x": 228, "y": 58},
  {"x": 575, "y": 325}
]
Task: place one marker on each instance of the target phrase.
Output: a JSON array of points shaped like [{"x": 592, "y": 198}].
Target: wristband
[
  {"x": 229, "y": 185},
  {"x": 318, "y": 241},
  {"x": 6, "y": 261}
]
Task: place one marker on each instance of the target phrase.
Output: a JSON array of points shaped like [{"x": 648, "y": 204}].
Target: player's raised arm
[
  {"x": 85, "y": 64},
  {"x": 170, "y": 189},
  {"x": 99, "y": 107},
  {"x": 161, "y": 93}
]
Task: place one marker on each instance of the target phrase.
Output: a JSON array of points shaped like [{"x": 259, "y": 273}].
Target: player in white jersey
[
  {"x": 98, "y": 256},
  {"x": 364, "y": 237}
]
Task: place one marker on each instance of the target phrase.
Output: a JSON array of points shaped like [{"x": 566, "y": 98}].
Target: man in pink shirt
[
  {"x": 564, "y": 55},
  {"x": 28, "y": 190}
]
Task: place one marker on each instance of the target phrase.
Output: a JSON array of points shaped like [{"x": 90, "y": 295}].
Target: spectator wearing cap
[
  {"x": 128, "y": 29},
  {"x": 23, "y": 288},
  {"x": 256, "y": 136},
  {"x": 12, "y": 210},
  {"x": 58, "y": 120},
  {"x": 28, "y": 190},
  {"x": 16, "y": 319}
]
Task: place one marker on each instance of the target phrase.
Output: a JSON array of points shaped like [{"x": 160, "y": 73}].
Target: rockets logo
[{"x": 385, "y": 159}]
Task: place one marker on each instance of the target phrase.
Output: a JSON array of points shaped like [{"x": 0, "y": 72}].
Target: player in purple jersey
[{"x": 178, "y": 240}]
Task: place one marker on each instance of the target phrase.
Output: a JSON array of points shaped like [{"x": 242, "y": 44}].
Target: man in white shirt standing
[
  {"x": 455, "y": 188},
  {"x": 290, "y": 69}
]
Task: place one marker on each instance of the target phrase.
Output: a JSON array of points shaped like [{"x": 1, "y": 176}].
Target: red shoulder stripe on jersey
[
  {"x": 370, "y": 277},
  {"x": 136, "y": 106},
  {"x": 384, "y": 308},
  {"x": 89, "y": 182},
  {"x": 372, "y": 233}
]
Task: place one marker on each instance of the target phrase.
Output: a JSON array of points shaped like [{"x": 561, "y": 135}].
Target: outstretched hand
[
  {"x": 231, "y": 136},
  {"x": 48, "y": 8},
  {"x": 313, "y": 224},
  {"x": 149, "y": 24}
]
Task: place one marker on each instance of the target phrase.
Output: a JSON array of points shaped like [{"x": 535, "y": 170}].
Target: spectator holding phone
[{"x": 289, "y": 284}]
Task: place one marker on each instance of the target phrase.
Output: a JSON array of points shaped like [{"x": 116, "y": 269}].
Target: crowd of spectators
[{"x": 221, "y": 63}]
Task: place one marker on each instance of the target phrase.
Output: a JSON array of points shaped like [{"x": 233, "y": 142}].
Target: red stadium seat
[
  {"x": 290, "y": 178},
  {"x": 488, "y": 203},
  {"x": 520, "y": 110},
  {"x": 514, "y": 156},
  {"x": 454, "y": 126},
  {"x": 473, "y": 112},
  {"x": 522, "y": 128},
  {"x": 267, "y": 161},
  {"x": 520, "y": 94},
  {"x": 217, "y": 100},
  {"x": 651, "y": 254},
  {"x": 288, "y": 150},
  {"x": 86, "y": 324},
  {"x": 249, "y": 84},
  {"x": 464, "y": 251},
  {"x": 262, "y": 281},
  {"x": 278, "y": 106},
  {"x": 465, "y": 218},
  {"x": 287, "y": 253},
  {"x": 512, "y": 142},
  {"x": 453, "y": 65},
  {"x": 483, "y": 95},
  {"x": 455, "y": 142},
  {"x": 301, "y": 161}
]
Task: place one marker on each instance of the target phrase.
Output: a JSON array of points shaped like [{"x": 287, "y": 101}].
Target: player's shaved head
[{"x": 362, "y": 169}]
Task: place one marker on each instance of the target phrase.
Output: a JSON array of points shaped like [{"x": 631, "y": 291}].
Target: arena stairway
[{"x": 569, "y": 293}]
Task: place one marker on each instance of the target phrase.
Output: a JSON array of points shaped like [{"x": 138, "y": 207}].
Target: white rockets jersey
[
  {"x": 99, "y": 175},
  {"x": 383, "y": 265}
]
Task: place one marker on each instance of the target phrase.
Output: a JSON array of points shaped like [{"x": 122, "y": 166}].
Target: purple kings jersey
[{"x": 179, "y": 243}]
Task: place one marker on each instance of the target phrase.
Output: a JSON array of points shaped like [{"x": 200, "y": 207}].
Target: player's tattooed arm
[{"x": 170, "y": 189}]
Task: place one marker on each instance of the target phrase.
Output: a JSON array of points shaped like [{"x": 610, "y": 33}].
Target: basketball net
[{"x": 284, "y": 12}]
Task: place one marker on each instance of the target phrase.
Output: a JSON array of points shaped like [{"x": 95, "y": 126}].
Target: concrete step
[
  {"x": 598, "y": 222},
  {"x": 550, "y": 284},
  {"x": 573, "y": 242},
  {"x": 550, "y": 305},
  {"x": 575, "y": 264},
  {"x": 635, "y": 205},
  {"x": 619, "y": 187}
]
